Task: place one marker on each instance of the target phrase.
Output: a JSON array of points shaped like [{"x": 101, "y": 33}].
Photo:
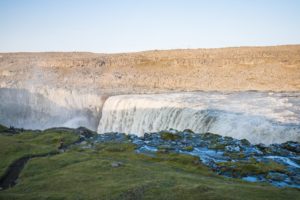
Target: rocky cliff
[{"x": 247, "y": 68}]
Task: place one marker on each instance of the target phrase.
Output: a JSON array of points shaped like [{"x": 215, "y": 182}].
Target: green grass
[
  {"x": 251, "y": 167},
  {"x": 28, "y": 143},
  {"x": 88, "y": 174}
]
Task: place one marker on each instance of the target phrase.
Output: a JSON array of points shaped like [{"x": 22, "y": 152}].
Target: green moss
[
  {"x": 186, "y": 160},
  {"x": 234, "y": 155},
  {"x": 217, "y": 146},
  {"x": 169, "y": 136},
  {"x": 115, "y": 147},
  {"x": 188, "y": 148},
  {"x": 251, "y": 167}
]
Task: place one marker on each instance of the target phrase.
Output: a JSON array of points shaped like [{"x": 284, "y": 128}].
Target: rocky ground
[
  {"x": 277, "y": 164},
  {"x": 232, "y": 69}
]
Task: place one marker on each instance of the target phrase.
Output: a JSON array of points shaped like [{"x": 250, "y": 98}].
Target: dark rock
[
  {"x": 296, "y": 179},
  {"x": 245, "y": 142},
  {"x": 85, "y": 132},
  {"x": 276, "y": 176},
  {"x": 12, "y": 130},
  {"x": 188, "y": 131},
  {"x": 278, "y": 150},
  {"x": 291, "y": 146},
  {"x": 233, "y": 148},
  {"x": 211, "y": 136},
  {"x": 263, "y": 148}
]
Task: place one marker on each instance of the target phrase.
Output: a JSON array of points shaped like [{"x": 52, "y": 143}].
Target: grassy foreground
[
  {"x": 115, "y": 171},
  {"x": 30, "y": 143}
]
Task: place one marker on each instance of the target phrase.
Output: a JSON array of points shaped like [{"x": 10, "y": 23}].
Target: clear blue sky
[{"x": 134, "y": 25}]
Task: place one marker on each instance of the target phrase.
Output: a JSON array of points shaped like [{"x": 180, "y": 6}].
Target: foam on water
[{"x": 260, "y": 117}]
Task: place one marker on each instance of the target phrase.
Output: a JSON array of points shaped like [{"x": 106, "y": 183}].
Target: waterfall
[{"x": 260, "y": 117}]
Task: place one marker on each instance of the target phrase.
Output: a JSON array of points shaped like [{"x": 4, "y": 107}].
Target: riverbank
[{"x": 113, "y": 166}]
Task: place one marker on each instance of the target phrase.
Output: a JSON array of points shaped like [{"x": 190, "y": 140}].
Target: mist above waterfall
[
  {"x": 46, "y": 108},
  {"x": 260, "y": 117}
]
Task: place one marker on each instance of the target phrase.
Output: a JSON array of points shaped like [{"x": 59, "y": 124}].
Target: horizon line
[{"x": 152, "y": 50}]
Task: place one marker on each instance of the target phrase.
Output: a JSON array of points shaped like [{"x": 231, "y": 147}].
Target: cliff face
[{"x": 255, "y": 68}]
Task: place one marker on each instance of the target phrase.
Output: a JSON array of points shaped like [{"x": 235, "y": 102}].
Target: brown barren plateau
[{"x": 275, "y": 68}]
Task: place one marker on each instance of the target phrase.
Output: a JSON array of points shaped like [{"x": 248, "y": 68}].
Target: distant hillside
[{"x": 244, "y": 68}]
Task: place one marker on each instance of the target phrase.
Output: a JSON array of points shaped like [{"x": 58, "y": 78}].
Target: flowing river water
[{"x": 260, "y": 117}]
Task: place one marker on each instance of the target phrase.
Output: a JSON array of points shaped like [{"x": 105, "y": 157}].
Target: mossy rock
[
  {"x": 217, "y": 146},
  {"x": 264, "y": 149},
  {"x": 85, "y": 132},
  {"x": 276, "y": 176},
  {"x": 251, "y": 167},
  {"x": 245, "y": 142},
  {"x": 164, "y": 149},
  {"x": 235, "y": 155},
  {"x": 188, "y": 148},
  {"x": 169, "y": 136},
  {"x": 211, "y": 136}
]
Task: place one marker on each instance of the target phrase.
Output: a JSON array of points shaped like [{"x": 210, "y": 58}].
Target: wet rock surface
[{"x": 277, "y": 164}]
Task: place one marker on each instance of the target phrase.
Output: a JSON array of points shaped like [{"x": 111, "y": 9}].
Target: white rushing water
[{"x": 260, "y": 117}]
